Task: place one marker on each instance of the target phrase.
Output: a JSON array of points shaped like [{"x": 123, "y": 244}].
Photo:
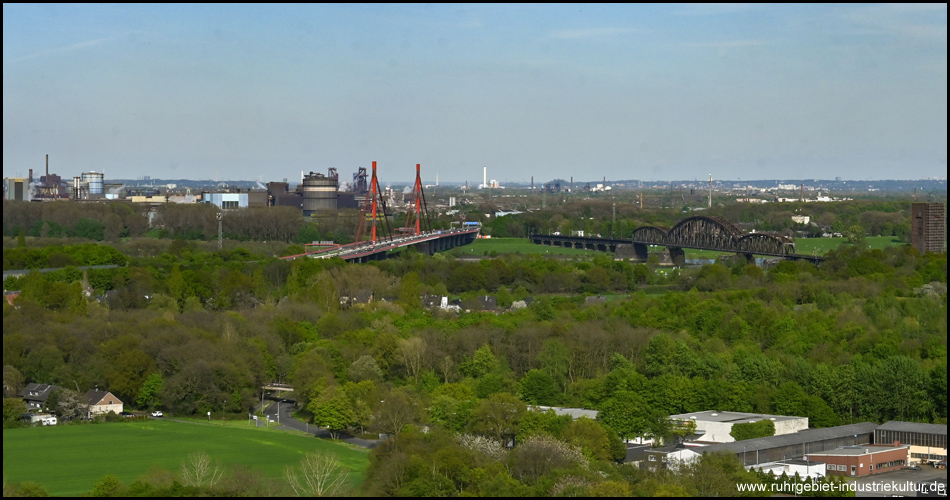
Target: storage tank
[
  {"x": 95, "y": 180},
  {"x": 319, "y": 193}
]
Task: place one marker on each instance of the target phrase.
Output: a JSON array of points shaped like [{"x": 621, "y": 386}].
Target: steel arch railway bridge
[{"x": 700, "y": 232}]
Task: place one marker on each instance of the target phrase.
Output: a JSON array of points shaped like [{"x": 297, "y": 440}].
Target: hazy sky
[{"x": 650, "y": 92}]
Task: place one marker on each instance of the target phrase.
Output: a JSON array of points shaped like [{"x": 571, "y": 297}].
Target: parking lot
[{"x": 898, "y": 483}]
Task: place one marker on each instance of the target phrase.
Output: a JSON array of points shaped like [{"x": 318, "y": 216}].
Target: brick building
[{"x": 863, "y": 460}]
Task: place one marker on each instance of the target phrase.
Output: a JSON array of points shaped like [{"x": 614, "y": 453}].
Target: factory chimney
[
  {"x": 47, "y": 168},
  {"x": 31, "y": 176},
  {"x": 485, "y": 176}
]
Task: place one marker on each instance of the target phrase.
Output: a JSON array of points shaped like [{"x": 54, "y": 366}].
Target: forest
[{"x": 181, "y": 327}]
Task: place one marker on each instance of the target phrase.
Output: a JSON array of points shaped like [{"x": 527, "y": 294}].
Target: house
[
  {"x": 487, "y": 303},
  {"x": 863, "y": 460},
  {"x": 670, "y": 457},
  {"x": 101, "y": 402},
  {"x": 716, "y": 426},
  {"x": 35, "y": 395}
]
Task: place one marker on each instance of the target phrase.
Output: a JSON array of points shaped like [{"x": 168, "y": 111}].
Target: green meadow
[
  {"x": 69, "y": 459},
  {"x": 483, "y": 246}
]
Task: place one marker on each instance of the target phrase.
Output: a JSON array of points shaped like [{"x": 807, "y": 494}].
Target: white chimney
[{"x": 485, "y": 176}]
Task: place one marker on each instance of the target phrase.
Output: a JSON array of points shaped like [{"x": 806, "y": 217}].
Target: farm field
[{"x": 68, "y": 460}]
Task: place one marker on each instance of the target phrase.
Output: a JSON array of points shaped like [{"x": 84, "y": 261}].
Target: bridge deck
[{"x": 366, "y": 249}]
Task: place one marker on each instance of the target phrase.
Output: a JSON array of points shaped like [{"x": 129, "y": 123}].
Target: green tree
[
  {"x": 628, "y": 414},
  {"x": 332, "y": 410},
  {"x": 480, "y": 364},
  {"x": 396, "y": 409},
  {"x": 150, "y": 391},
  {"x": 13, "y": 409},
  {"x": 410, "y": 292},
  {"x": 497, "y": 417},
  {"x": 537, "y": 387},
  {"x": 855, "y": 234},
  {"x": 177, "y": 288},
  {"x": 743, "y": 431},
  {"x": 108, "y": 486}
]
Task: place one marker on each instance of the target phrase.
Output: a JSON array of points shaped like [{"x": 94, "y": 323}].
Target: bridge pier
[
  {"x": 749, "y": 258},
  {"x": 677, "y": 255}
]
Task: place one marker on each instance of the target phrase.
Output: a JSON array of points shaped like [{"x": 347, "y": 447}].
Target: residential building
[
  {"x": 928, "y": 231},
  {"x": 35, "y": 395},
  {"x": 670, "y": 457},
  {"x": 101, "y": 402}
]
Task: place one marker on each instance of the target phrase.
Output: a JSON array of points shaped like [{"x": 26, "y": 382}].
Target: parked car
[
  {"x": 913, "y": 466},
  {"x": 157, "y": 413},
  {"x": 126, "y": 414}
]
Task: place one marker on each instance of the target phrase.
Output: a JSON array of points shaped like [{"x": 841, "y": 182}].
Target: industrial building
[
  {"x": 319, "y": 192},
  {"x": 716, "y": 426},
  {"x": 928, "y": 227},
  {"x": 863, "y": 460},
  {"x": 225, "y": 201},
  {"x": 17, "y": 189},
  {"x": 928, "y": 442},
  {"x": 796, "y": 445}
]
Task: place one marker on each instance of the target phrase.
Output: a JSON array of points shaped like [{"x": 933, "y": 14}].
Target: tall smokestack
[
  {"x": 47, "y": 168},
  {"x": 31, "y": 176}
]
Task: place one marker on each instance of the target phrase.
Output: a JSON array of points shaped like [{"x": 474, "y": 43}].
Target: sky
[{"x": 646, "y": 92}]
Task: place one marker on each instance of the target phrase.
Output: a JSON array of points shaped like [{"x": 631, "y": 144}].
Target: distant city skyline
[{"x": 650, "y": 92}]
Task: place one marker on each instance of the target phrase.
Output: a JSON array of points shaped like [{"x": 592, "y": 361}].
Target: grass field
[
  {"x": 517, "y": 245},
  {"x": 69, "y": 459}
]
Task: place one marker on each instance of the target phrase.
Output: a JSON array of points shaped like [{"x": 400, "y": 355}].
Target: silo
[
  {"x": 95, "y": 180},
  {"x": 319, "y": 193}
]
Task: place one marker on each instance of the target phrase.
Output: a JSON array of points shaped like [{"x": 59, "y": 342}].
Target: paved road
[{"x": 291, "y": 423}]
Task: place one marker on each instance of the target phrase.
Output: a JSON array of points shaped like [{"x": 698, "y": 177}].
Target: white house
[{"x": 102, "y": 402}]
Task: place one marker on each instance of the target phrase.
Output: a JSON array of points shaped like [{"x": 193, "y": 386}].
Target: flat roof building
[
  {"x": 928, "y": 442},
  {"x": 796, "y": 445},
  {"x": 716, "y": 426},
  {"x": 863, "y": 460}
]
